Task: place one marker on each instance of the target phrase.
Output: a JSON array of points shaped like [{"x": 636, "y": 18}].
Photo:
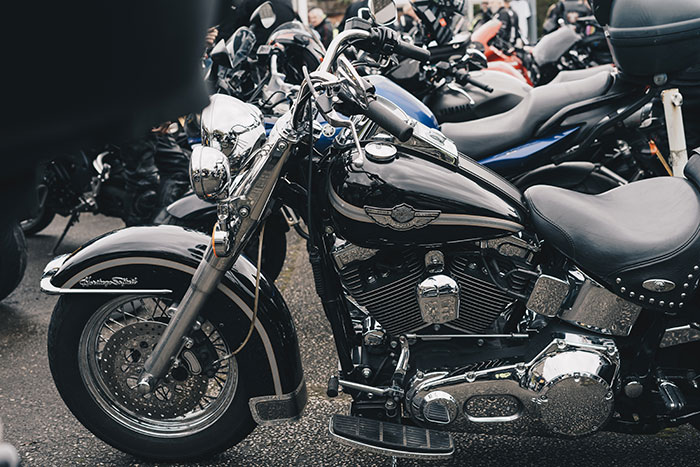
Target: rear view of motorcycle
[{"x": 456, "y": 301}]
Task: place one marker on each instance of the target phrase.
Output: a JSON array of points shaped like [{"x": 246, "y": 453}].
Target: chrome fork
[
  {"x": 245, "y": 208},
  {"x": 204, "y": 282}
]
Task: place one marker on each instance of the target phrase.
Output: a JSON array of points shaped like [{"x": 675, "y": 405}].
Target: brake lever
[
  {"x": 332, "y": 116},
  {"x": 454, "y": 87}
]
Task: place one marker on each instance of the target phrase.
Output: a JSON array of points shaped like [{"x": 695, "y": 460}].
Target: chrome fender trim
[{"x": 53, "y": 267}]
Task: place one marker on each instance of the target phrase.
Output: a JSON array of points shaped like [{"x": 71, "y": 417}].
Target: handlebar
[
  {"x": 383, "y": 116},
  {"x": 463, "y": 78},
  {"x": 334, "y": 47},
  {"x": 411, "y": 51}
]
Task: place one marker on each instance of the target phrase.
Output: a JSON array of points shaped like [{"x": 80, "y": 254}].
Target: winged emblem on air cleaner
[{"x": 401, "y": 217}]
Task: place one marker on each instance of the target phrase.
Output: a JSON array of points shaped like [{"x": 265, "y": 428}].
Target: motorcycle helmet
[{"x": 300, "y": 47}]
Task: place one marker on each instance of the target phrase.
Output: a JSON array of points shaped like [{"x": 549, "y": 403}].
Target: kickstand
[{"x": 71, "y": 222}]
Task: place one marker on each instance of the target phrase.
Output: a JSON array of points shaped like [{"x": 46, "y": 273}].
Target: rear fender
[{"x": 162, "y": 260}]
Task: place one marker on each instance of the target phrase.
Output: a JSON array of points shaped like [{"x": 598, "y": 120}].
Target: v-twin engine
[{"x": 565, "y": 390}]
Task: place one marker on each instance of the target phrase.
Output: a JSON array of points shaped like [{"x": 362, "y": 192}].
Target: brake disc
[{"x": 121, "y": 364}]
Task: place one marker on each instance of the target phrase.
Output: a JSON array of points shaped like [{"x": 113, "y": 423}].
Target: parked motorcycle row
[{"x": 503, "y": 239}]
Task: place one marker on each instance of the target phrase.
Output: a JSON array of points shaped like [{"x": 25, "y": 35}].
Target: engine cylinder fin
[{"x": 388, "y": 291}]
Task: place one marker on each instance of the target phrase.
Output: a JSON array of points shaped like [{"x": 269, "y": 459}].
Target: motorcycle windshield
[
  {"x": 240, "y": 45},
  {"x": 555, "y": 44}
]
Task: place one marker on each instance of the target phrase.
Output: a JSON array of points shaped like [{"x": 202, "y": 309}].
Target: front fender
[
  {"x": 162, "y": 259},
  {"x": 190, "y": 207}
]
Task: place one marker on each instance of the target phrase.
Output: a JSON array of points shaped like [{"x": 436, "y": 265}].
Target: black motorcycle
[
  {"x": 456, "y": 302},
  {"x": 571, "y": 47},
  {"x": 132, "y": 181}
]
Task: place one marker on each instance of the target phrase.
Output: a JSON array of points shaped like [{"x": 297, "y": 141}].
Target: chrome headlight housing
[
  {"x": 209, "y": 173},
  {"x": 234, "y": 128}
]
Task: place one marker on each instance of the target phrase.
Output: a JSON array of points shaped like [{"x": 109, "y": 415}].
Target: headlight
[
  {"x": 209, "y": 172},
  {"x": 232, "y": 127}
]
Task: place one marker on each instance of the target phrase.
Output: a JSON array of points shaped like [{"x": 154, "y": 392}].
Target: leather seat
[
  {"x": 575, "y": 75},
  {"x": 491, "y": 135},
  {"x": 640, "y": 232}
]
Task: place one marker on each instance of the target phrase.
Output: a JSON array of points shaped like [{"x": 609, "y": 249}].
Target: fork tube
[{"x": 204, "y": 282}]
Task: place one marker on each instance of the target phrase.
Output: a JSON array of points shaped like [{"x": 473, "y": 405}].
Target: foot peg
[
  {"x": 391, "y": 438},
  {"x": 332, "y": 390},
  {"x": 672, "y": 397}
]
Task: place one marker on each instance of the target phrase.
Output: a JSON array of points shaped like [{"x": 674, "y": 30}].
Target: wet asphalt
[{"x": 46, "y": 434}]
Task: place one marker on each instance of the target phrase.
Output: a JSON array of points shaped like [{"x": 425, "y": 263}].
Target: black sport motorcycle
[{"x": 456, "y": 301}]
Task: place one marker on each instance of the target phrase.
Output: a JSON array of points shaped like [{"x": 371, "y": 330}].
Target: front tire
[
  {"x": 13, "y": 257},
  {"x": 96, "y": 349},
  {"x": 45, "y": 214}
]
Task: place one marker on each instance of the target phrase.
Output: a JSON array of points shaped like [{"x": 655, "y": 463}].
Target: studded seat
[{"x": 642, "y": 240}]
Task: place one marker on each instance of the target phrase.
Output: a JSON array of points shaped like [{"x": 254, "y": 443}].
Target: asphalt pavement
[{"x": 46, "y": 434}]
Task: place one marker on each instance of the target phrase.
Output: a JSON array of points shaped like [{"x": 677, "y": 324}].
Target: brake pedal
[{"x": 391, "y": 439}]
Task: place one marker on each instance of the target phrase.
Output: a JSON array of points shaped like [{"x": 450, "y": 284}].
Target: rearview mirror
[
  {"x": 219, "y": 54},
  {"x": 475, "y": 59},
  {"x": 383, "y": 11},
  {"x": 266, "y": 14}
]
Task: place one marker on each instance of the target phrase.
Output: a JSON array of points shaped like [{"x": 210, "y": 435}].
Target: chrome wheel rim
[{"x": 115, "y": 343}]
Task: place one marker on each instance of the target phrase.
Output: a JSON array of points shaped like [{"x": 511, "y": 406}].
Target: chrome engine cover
[
  {"x": 438, "y": 298},
  {"x": 566, "y": 390}
]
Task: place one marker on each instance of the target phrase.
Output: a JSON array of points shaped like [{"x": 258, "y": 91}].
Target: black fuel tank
[{"x": 413, "y": 199}]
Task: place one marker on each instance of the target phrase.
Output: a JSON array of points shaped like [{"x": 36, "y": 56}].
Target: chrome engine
[
  {"x": 406, "y": 291},
  {"x": 566, "y": 390},
  {"x": 564, "y": 386}
]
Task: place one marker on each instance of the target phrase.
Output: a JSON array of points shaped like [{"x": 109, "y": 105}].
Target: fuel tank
[
  {"x": 462, "y": 103},
  {"x": 411, "y": 105},
  {"x": 403, "y": 196}
]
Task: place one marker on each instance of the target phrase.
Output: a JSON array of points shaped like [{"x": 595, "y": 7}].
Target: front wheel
[
  {"x": 97, "y": 348},
  {"x": 44, "y": 215},
  {"x": 13, "y": 257}
]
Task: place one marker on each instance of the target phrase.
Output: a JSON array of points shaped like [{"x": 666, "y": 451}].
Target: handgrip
[
  {"x": 464, "y": 78},
  {"x": 411, "y": 51},
  {"x": 387, "y": 119}
]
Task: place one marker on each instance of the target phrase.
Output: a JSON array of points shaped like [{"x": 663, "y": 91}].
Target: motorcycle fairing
[{"x": 163, "y": 258}]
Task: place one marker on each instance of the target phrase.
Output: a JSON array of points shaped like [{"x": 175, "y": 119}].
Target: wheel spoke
[{"x": 122, "y": 335}]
